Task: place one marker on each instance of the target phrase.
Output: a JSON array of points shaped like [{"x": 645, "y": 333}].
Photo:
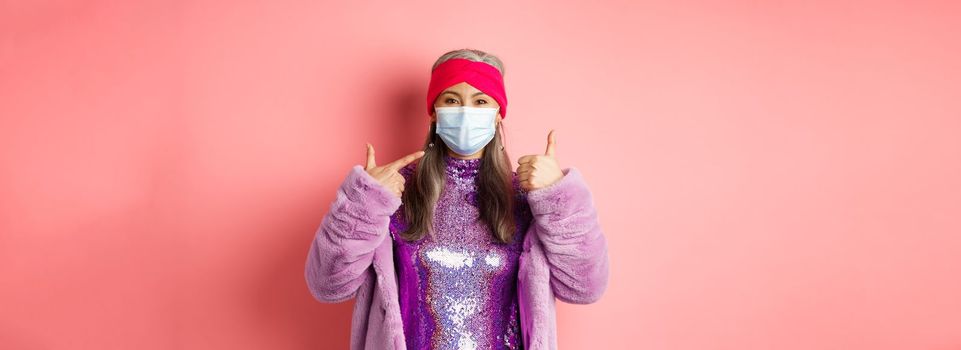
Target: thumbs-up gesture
[
  {"x": 539, "y": 170},
  {"x": 387, "y": 175}
]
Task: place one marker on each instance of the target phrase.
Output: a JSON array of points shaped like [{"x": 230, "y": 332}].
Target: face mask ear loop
[
  {"x": 503, "y": 136},
  {"x": 430, "y": 128}
]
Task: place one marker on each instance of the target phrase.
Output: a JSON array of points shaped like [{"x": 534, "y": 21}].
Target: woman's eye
[
  {"x": 450, "y": 100},
  {"x": 479, "y": 101}
]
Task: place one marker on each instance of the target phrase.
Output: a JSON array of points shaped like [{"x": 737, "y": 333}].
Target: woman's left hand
[{"x": 538, "y": 171}]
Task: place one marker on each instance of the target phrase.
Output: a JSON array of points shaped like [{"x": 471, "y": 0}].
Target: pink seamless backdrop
[{"x": 769, "y": 175}]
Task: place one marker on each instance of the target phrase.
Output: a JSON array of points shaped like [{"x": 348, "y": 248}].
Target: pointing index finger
[{"x": 400, "y": 163}]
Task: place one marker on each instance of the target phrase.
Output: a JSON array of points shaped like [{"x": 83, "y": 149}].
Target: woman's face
[{"x": 463, "y": 94}]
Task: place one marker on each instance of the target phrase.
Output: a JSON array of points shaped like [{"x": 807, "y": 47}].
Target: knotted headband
[{"x": 480, "y": 75}]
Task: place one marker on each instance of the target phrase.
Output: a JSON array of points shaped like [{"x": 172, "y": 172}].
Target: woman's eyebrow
[{"x": 458, "y": 95}]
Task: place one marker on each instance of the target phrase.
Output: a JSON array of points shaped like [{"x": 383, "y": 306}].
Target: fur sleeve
[
  {"x": 343, "y": 245},
  {"x": 576, "y": 249}
]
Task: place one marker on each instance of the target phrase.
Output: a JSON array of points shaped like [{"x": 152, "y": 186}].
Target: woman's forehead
[{"x": 462, "y": 87}]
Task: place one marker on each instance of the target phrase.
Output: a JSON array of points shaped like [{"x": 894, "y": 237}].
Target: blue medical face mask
[{"x": 464, "y": 129}]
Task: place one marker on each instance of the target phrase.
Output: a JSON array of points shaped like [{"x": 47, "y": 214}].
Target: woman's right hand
[{"x": 387, "y": 175}]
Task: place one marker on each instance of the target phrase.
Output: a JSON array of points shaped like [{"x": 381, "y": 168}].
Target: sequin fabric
[{"x": 459, "y": 289}]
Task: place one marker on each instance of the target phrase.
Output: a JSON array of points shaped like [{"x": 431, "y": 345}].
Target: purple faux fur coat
[{"x": 351, "y": 256}]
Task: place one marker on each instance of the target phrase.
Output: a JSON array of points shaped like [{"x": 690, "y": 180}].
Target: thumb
[
  {"x": 370, "y": 157},
  {"x": 550, "y": 144}
]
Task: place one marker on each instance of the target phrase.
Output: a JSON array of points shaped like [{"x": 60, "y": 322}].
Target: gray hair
[{"x": 473, "y": 55}]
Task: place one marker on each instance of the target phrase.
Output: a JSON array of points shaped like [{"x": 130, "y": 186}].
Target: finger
[
  {"x": 530, "y": 163},
  {"x": 526, "y": 159},
  {"x": 524, "y": 169},
  {"x": 550, "y": 144},
  {"x": 370, "y": 157},
  {"x": 400, "y": 163},
  {"x": 526, "y": 185}
]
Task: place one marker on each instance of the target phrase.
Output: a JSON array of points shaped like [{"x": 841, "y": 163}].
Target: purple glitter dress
[{"x": 460, "y": 290}]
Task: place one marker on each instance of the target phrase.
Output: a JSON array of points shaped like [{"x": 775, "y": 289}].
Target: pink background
[{"x": 769, "y": 175}]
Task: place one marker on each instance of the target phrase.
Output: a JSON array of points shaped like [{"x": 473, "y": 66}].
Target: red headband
[{"x": 480, "y": 75}]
